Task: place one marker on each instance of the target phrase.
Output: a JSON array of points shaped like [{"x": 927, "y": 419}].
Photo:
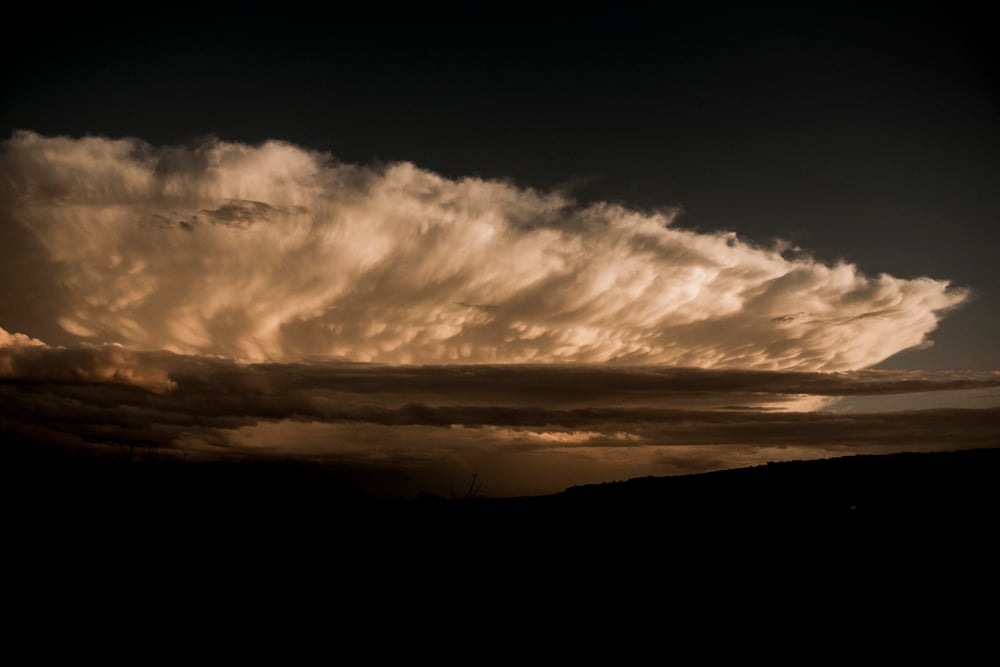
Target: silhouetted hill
[
  {"x": 909, "y": 486},
  {"x": 891, "y": 485},
  {"x": 63, "y": 498},
  {"x": 870, "y": 499},
  {"x": 894, "y": 529}
]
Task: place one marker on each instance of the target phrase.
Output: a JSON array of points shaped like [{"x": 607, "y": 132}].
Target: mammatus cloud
[{"x": 273, "y": 252}]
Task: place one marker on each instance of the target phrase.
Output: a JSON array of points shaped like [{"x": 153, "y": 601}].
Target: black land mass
[
  {"x": 53, "y": 490},
  {"x": 843, "y": 529}
]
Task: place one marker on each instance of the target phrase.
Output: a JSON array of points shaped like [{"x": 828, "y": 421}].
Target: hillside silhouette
[
  {"x": 891, "y": 528},
  {"x": 69, "y": 492}
]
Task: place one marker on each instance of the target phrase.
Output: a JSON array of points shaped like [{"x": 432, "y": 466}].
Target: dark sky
[{"x": 855, "y": 131}]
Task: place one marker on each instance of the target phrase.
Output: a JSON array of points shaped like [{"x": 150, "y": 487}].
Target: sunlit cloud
[
  {"x": 29, "y": 360},
  {"x": 274, "y": 252},
  {"x": 17, "y": 340}
]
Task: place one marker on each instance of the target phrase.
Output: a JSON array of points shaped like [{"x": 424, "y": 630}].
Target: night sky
[{"x": 269, "y": 232}]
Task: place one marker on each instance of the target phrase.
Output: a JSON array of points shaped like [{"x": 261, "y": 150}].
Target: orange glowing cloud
[{"x": 273, "y": 252}]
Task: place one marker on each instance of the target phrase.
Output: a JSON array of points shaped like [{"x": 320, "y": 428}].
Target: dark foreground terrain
[
  {"x": 933, "y": 494},
  {"x": 914, "y": 533}
]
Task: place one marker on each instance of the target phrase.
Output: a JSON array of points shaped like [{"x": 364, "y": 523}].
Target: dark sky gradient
[{"x": 856, "y": 131}]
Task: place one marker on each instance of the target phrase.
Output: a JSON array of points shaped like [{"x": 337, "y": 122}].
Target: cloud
[
  {"x": 550, "y": 386},
  {"x": 525, "y": 428},
  {"x": 30, "y": 361},
  {"x": 17, "y": 340},
  {"x": 159, "y": 396},
  {"x": 274, "y": 252}
]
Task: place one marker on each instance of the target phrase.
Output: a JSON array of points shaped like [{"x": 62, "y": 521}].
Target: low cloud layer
[
  {"x": 274, "y": 252},
  {"x": 532, "y": 428},
  {"x": 28, "y": 361}
]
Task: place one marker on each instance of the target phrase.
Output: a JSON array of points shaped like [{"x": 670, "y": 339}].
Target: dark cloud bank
[{"x": 534, "y": 428}]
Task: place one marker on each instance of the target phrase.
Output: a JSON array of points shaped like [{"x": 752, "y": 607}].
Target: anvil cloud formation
[
  {"x": 277, "y": 253},
  {"x": 226, "y": 300}
]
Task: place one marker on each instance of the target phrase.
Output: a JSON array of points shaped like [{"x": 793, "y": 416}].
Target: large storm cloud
[{"x": 274, "y": 252}]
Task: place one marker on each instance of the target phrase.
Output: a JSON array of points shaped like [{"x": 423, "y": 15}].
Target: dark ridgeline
[
  {"x": 139, "y": 491},
  {"x": 891, "y": 529}
]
